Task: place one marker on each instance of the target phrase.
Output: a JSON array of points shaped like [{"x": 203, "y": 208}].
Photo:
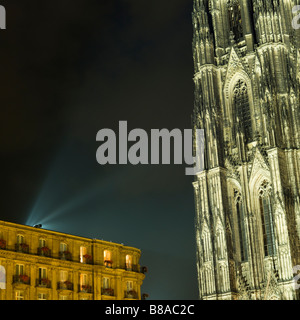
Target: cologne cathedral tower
[{"x": 247, "y": 101}]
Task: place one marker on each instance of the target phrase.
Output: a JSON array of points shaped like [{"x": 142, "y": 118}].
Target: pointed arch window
[
  {"x": 241, "y": 226},
  {"x": 267, "y": 219},
  {"x": 242, "y": 109},
  {"x": 206, "y": 245},
  {"x": 220, "y": 243}
]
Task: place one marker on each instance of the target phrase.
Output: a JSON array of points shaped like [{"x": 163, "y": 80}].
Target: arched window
[
  {"x": 42, "y": 243},
  {"x": 241, "y": 225},
  {"x": 105, "y": 283},
  {"x": 220, "y": 243},
  {"x": 83, "y": 283},
  {"x": 20, "y": 239},
  {"x": 82, "y": 254},
  {"x": 235, "y": 19},
  {"x": 63, "y": 247},
  {"x": 128, "y": 262},
  {"x": 107, "y": 258},
  {"x": 206, "y": 245},
  {"x": 242, "y": 109},
  {"x": 267, "y": 219}
]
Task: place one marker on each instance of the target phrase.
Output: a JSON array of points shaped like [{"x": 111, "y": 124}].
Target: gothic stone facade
[{"x": 247, "y": 60}]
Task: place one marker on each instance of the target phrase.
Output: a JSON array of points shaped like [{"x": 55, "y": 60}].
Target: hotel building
[{"x": 39, "y": 264}]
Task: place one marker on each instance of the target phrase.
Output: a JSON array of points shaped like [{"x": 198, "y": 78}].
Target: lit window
[
  {"x": 84, "y": 283},
  {"x": 19, "y": 269},
  {"x": 63, "y": 247},
  {"x": 128, "y": 262},
  {"x": 42, "y": 273},
  {"x": 130, "y": 293},
  {"x": 19, "y": 295},
  {"x": 42, "y": 243},
  {"x": 105, "y": 283},
  {"x": 107, "y": 255},
  {"x": 62, "y": 297},
  {"x": 64, "y": 252},
  {"x": 129, "y": 285},
  {"x": 82, "y": 254},
  {"x": 63, "y": 275},
  {"x": 20, "y": 239},
  {"x": 107, "y": 258},
  {"x": 83, "y": 280},
  {"x": 42, "y": 296}
]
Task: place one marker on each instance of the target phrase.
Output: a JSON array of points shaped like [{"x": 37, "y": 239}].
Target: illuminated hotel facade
[{"x": 39, "y": 264}]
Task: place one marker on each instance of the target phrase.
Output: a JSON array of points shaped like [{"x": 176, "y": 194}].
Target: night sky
[{"x": 70, "y": 68}]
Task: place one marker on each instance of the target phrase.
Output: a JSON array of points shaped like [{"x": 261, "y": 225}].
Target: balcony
[
  {"x": 65, "y": 285},
  {"x": 2, "y": 244},
  {"x": 43, "y": 283},
  {"x": 131, "y": 267},
  {"x": 22, "y": 247},
  {"x": 21, "y": 279},
  {"x": 65, "y": 255},
  {"x": 131, "y": 294},
  {"x": 144, "y": 270},
  {"x": 85, "y": 288},
  {"x": 87, "y": 259},
  {"x": 108, "y": 263},
  {"x": 107, "y": 292},
  {"x": 44, "y": 252}
]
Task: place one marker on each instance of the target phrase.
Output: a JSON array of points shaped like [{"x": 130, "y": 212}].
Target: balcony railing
[
  {"x": 108, "y": 263},
  {"x": 22, "y": 247},
  {"x": 65, "y": 285},
  {"x": 131, "y": 294},
  {"x": 131, "y": 267},
  {"x": 43, "y": 283},
  {"x": 44, "y": 251},
  {"x": 23, "y": 279},
  {"x": 86, "y": 259},
  {"x": 65, "y": 255},
  {"x": 2, "y": 244},
  {"x": 108, "y": 292},
  {"x": 85, "y": 288}
]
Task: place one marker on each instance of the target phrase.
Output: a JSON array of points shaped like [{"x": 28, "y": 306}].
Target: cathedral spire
[
  {"x": 268, "y": 20},
  {"x": 203, "y": 42},
  {"x": 247, "y": 98}
]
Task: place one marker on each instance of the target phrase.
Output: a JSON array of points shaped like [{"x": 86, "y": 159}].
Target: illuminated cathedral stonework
[{"x": 247, "y": 198}]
